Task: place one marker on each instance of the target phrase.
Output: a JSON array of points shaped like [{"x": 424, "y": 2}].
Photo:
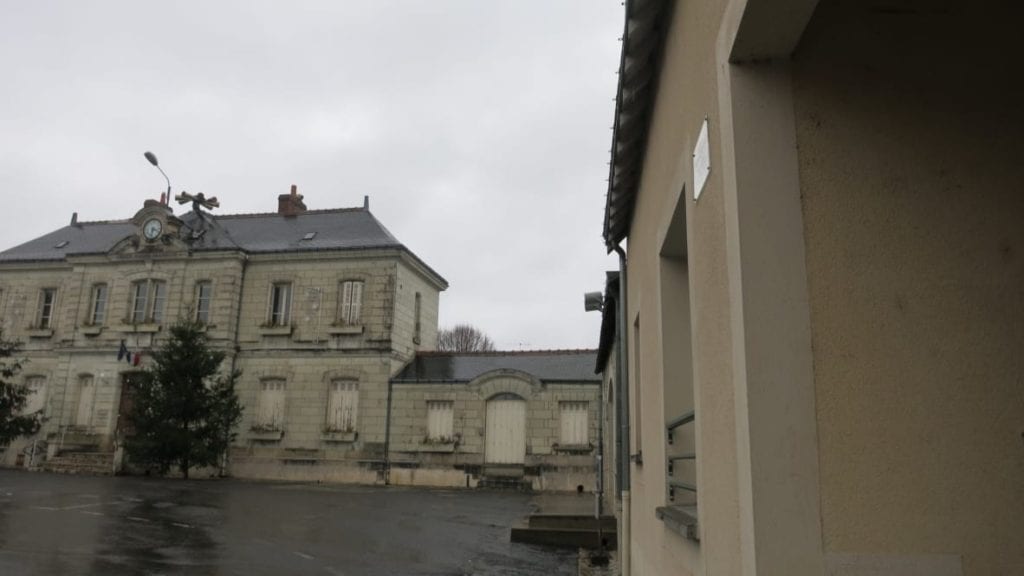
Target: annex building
[
  {"x": 814, "y": 339},
  {"x": 319, "y": 309}
]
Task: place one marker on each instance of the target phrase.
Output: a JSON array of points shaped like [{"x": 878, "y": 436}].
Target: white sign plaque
[{"x": 701, "y": 161}]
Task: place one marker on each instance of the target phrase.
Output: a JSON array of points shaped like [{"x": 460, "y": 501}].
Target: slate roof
[
  {"x": 340, "y": 229},
  {"x": 545, "y": 365},
  {"x": 84, "y": 238}
]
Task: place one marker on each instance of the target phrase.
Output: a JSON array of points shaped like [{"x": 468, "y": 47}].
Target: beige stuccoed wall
[
  {"x": 911, "y": 137},
  {"x": 687, "y": 94}
]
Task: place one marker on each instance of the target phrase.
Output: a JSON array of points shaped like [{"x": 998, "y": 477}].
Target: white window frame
[
  {"x": 574, "y": 420},
  {"x": 149, "y": 299},
  {"x": 279, "y": 304},
  {"x": 350, "y": 301},
  {"x": 98, "y": 304},
  {"x": 270, "y": 404},
  {"x": 47, "y": 307},
  {"x": 343, "y": 405},
  {"x": 204, "y": 305},
  {"x": 440, "y": 420}
]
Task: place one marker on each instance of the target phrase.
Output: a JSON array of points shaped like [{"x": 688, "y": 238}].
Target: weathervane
[{"x": 197, "y": 200}]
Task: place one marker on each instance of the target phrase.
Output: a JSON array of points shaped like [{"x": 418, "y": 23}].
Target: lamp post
[{"x": 152, "y": 160}]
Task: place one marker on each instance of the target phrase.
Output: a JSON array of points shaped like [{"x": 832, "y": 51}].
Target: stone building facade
[
  {"x": 317, "y": 308},
  {"x": 333, "y": 324},
  {"x": 527, "y": 417}
]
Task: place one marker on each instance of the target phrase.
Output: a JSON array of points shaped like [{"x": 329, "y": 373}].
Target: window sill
[
  {"x": 147, "y": 328},
  {"x": 346, "y": 330},
  {"x": 573, "y": 448},
  {"x": 91, "y": 330},
  {"x": 681, "y": 519},
  {"x": 266, "y": 435},
  {"x": 39, "y": 332},
  {"x": 439, "y": 447},
  {"x": 275, "y": 330},
  {"x": 339, "y": 436}
]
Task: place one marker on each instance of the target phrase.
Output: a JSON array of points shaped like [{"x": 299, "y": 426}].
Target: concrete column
[{"x": 776, "y": 430}]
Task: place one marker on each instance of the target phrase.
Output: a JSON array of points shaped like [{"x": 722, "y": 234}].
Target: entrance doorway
[{"x": 506, "y": 430}]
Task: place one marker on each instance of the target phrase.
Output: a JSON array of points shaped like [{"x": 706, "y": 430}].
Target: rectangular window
[
  {"x": 204, "y": 294},
  {"x": 343, "y": 406},
  {"x": 351, "y": 302},
  {"x": 47, "y": 300},
  {"x": 440, "y": 420},
  {"x": 159, "y": 292},
  {"x": 416, "y": 314},
  {"x": 270, "y": 405},
  {"x": 140, "y": 301},
  {"x": 148, "y": 300},
  {"x": 86, "y": 399},
  {"x": 35, "y": 401},
  {"x": 280, "y": 303},
  {"x": 574, "y": 423},
  {"x": 98, "y": 305}
]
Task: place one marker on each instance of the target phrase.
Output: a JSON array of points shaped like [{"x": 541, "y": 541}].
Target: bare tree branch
[{"x": 463, "y": 338}]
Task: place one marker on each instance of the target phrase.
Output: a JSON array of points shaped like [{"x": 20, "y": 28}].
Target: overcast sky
[{"x": 479, "y": 130}]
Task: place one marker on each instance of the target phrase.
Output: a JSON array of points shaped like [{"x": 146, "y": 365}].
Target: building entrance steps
[
  {"x": 85, "y": 462},
  {"x": 566, "y": 520}
]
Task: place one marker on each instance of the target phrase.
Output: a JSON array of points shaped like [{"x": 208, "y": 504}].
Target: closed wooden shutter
[
  {"x": 440, "y": 419},
  {"x": 343, "y": 406},
  {"x": 86, "y": 395},
  {"x": 270, "y": 413},
  {"x": 574, "y": 423}
]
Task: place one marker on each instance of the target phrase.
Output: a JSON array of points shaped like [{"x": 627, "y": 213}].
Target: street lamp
[{"x": 152, "y": 160}]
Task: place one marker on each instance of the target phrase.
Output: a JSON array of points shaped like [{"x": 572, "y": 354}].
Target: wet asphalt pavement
[{"x": 54, "y": 524}]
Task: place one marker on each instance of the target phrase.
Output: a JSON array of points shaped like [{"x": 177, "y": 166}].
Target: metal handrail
[
  {"x": 673, "y": 483},
  {"x": 685, "y": 418}
]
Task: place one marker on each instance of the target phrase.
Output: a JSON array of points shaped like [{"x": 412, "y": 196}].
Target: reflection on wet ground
[{"x": 52, "y": 524}]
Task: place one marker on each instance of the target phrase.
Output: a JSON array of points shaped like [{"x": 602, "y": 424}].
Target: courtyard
[{"x": 56, "y": 524}]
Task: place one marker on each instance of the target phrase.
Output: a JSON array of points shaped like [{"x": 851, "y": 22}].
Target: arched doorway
[{"x": 505, "y": 440}]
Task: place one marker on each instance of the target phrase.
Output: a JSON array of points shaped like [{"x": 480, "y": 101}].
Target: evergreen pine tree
[
  {"x": 184, "y": 414},
  {"x": 13, "y": 397}
]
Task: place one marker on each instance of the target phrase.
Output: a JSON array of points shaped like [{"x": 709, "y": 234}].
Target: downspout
[
  {"x": 234, "y": 355},
  {"x": 238, "y": 312},
  {"x": 599, "y": 506},
  {"x": 387, "y": 438},
  {"x": 622, "y": 438},
  {"x": 390, "y": 330}
]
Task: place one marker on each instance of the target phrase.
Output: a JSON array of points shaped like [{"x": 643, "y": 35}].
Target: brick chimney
[{"x": 291, "y": 204}]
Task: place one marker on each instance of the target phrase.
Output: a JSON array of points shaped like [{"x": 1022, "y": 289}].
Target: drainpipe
[
  {"x": 622, "y": 439},
  {"x": 234, "y": 355},
  {"x": 387, "y": 438}
]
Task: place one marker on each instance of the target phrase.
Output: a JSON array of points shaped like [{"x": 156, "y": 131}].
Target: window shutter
[
  {"x": 346, "y": 302},
  {"x": 357, "y": 302},
  {"x": 343, "y": 406},
  {"x": 574, "y": 423},
  {"x": 440, "y": 419}
]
